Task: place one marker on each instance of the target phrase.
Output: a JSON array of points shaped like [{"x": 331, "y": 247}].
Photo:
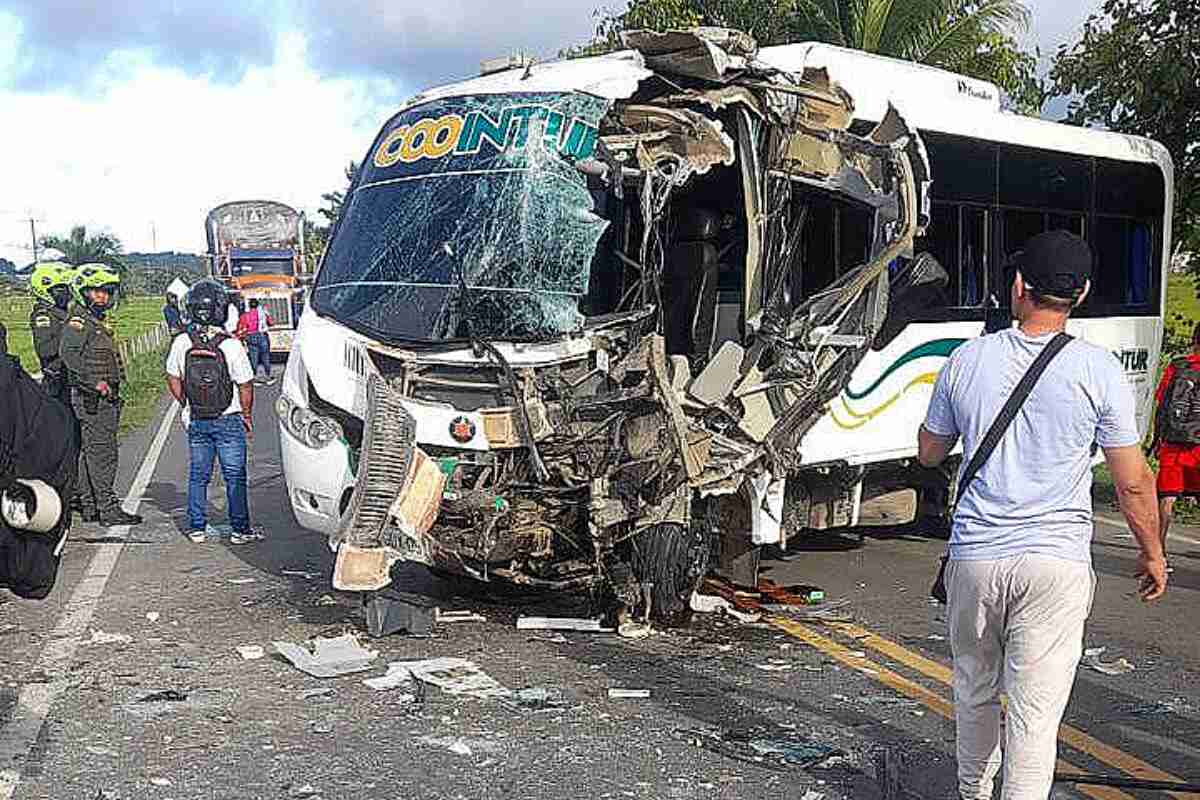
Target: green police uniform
[
  {"x": 89, "y": 353},
  {"x": 46, "y": 324}
]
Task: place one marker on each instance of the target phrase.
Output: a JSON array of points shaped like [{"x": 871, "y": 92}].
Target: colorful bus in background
[{"x": 256, "y": 249}]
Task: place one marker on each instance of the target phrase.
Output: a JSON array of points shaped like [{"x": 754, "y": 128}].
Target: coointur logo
[{"x": 975, "y": 92}]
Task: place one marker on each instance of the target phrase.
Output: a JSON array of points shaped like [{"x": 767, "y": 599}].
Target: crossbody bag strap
[{"x": 1009, "y": 412}]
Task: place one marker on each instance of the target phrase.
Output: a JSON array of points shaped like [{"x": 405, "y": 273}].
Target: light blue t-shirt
[{"x": 1034, "y": 493}]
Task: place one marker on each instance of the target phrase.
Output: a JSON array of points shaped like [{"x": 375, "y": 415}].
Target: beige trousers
[{"x": 1016, "y": 627}]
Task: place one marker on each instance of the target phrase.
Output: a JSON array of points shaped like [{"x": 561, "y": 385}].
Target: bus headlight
[{"x": 312, "y": 429}]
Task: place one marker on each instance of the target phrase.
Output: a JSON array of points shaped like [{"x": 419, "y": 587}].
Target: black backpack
[
  {"x": 206, "y": 381},
  {"x": 1181, "y": 406}
]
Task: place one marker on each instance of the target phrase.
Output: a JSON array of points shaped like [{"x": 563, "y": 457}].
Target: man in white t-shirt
[{"x": 218, "y": 400}]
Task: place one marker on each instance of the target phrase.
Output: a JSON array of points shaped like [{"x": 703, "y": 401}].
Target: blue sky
[{"x": 137, "y": 117}]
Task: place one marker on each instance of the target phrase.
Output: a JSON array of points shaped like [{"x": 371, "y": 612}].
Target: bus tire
[{"x": 674, "y": 559}]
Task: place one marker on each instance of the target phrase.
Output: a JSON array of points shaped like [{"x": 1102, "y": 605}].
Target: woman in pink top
[{"x": 252, "y": 329}]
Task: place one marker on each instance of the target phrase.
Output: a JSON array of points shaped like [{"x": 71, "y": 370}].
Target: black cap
[{"x": 1055, "y": 263}]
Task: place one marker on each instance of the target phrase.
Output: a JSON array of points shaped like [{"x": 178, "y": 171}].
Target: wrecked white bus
[{"x": 606, "y": 324}]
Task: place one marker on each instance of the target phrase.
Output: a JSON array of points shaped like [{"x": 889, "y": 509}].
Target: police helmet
[
  {"x": 50, "y": 282},
  {"x": 206, "y": 303},
  {"x": 90, "y": 277}
]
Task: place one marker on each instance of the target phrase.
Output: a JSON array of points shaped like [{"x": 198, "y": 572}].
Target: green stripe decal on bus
[{"x": 941, "y": 348}]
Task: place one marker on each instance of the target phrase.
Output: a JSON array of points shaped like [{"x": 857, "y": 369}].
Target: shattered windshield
[{"x": 469, "y": 219}]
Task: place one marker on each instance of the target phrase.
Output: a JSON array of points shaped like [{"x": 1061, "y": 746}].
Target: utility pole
[
  {"x": 33, "y": 234},
  {"x": 153, "y": 238}
]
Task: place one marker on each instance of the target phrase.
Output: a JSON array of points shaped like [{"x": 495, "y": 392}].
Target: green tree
[
  {"x": 80, "y": 248},
  {"x": 1136, "y": 70},
  {"x": 972, "y": 37},
  {"x": 334, "y": 201}
]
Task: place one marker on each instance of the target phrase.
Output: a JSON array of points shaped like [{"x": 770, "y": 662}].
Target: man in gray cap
[{"x": 1019, "y": 578}]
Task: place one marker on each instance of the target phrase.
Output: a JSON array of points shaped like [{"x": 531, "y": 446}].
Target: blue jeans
[
  {"x": 225, "y": 439},
  {"x": 258, "y": 346}
]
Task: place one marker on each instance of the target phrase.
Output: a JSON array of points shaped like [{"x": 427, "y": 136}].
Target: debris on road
[
  {"x": 561, "y": 624},
  {"x": 241, "y": 581},
  {"x": 630, "y": 629},
  {"x": 310, "y": 694},
  {"x": 303, "y": 790},
  {"x": 102, "y": 751},
  {"x": 712, "y": 604},
  {"x": 628, "y": 694},
  {"x": 395, "y": 677},
  {"x": 774, "y": 666},
  {"x": 329, "y": 658},
  {"x": 453, "y": 676},
  {"x": 164, "y": 696},
  {"x": 152, "y": 616},
  {"x": 250, "y": 652},
  {"x": 830, "y": 611},
  {"x": 536, "y": 700},
  {"x": 460, "y": 745},
  {"x": 774, "y": 752},
  {"x": 100, "y": 637},
  {"x": 300, "y": 573},
  {"x": 326, "y": 600},
  {"x": 160, "y": 782},
  {"x": 1092, "y": 660},
  {"x": 459, "y": 616}
]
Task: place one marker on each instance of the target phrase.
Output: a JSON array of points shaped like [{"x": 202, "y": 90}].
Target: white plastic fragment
[
  {"x": 712, "y": 604},
  {"x": 250, "y": 652},
  {"x": 241, "y": 581},
  {"x": 1092, "y": 660},
  {"x": 453, "y": 676},
  {"x": 160, "y": 782},
  {"x": 634, "y": 630},
  {"x": 100, "y": 637},
  {"x": 329, "y": 658},
  {"x": 397, "y": 675},
  {"x": 561, "y": 624},
  {"x": 459, "y": 616},
  {"x": 628, "y": 694}
]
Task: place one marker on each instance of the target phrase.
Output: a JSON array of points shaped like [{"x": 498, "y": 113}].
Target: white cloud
[{"x": 162, "y": 148}]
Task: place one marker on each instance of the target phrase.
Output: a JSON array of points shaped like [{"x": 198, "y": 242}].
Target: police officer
[
  {"x": 89, "y": 352},
  {"x": 51, "y": 287}
]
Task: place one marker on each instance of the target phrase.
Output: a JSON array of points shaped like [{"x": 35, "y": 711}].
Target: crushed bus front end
[{"x": 568, "y": 334}]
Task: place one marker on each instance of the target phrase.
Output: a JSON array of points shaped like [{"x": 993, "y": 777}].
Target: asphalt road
[{"x": 72, "y": 726}]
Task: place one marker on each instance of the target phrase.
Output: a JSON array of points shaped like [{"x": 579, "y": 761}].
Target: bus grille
[{"x": 389, "y": 436}]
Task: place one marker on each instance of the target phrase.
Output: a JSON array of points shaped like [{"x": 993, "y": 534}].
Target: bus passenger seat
[{"x": 689, "y": 285}]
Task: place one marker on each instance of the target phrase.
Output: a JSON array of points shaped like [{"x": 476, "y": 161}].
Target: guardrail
[{"x": 148, "y": 341}]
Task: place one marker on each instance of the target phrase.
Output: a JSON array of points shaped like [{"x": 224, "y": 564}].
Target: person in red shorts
[{"x": 1178, "y": 461}]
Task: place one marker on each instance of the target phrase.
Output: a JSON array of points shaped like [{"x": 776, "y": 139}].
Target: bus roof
[
  {"x": 933, "y": 99},
  {"x": 930, "y": 99}
]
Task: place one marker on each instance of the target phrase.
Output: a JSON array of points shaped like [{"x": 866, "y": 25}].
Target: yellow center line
[{"x": 1071, "y": 736}]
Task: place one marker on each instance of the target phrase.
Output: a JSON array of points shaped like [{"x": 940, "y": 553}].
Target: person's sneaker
[
  {"x": 198, "y": 537},
  {"x": 119, "y": 516},
  {"x": 252, "y": 535}
]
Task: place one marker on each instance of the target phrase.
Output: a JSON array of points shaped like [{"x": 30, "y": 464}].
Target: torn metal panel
[
  {"x": 706, "y": 53},
  {"x": 693, "y": 142}
]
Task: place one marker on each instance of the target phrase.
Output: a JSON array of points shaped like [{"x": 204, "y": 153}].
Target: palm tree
[
  {"x": 79, "y": 248},
  {"x": 973, "y": 37},
  {"x": 944, "y": 33}
]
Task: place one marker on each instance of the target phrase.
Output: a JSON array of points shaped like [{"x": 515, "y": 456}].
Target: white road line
[
  {"x": 36, "y": 699},
  {"x": 1114, "y": 522}
]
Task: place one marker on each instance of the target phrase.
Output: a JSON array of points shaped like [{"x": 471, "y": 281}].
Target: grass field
[{"x": 132, "y": 316}]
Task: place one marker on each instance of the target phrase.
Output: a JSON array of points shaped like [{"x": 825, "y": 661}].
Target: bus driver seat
[{"x": 689, "y": 286}]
